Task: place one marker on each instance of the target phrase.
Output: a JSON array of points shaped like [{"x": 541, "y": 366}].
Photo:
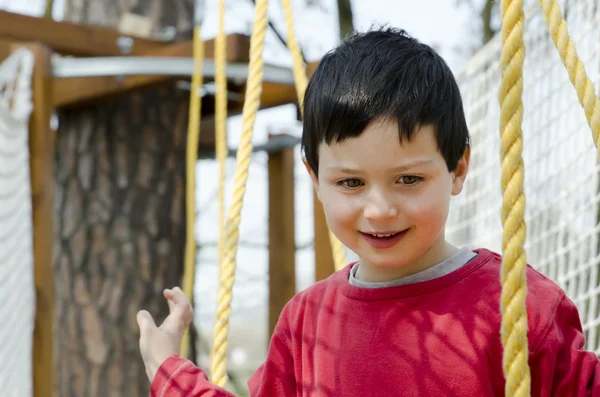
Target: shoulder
[
  {"x": 539, "y": 286},
  {"x": 322, "y": 289},
  {"x": 543, "y": 295},
  {"x": 314, "y": 299}
]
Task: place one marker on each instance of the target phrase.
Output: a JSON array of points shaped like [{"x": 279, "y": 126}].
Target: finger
[
  {"x": 145, "y": 321},
  {"x": 181, "y": 312},
  {"x": 169, "y": 296},
  {"x": 182, "y": 303},
  {"x": 177, "y": 300},
  {"x": 179, "y": 296}
]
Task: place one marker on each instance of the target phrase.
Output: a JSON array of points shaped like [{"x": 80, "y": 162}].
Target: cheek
[
  {"x": 340, "y": 209},
  {"x": 430, "y": 209}
]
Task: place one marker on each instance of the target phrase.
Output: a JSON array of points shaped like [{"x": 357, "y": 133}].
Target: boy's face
[{"x": 389, "y": 202}]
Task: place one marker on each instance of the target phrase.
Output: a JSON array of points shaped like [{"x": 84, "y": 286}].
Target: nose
[{"x": 380, "y": 205}]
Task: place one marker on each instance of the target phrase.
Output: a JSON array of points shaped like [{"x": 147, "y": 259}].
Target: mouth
[
  {"x": 383, "y": 239},
  {"x": 382, "y": 234}
]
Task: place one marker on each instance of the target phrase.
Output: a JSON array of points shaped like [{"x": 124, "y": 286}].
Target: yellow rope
[
  {"x": 566, "y": 48},
  {"x": 298, "y": 66},
  {"x": 301, "y": 81},
  {"x": 221, "y": 119},
  {"x": 191, "y": 159},
  {"x": 514, "y": 262},
  {"x": 251, "y": 106}
]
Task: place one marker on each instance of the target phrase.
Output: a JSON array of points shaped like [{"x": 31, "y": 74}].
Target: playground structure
[
  {"x": 572, "y": 261},
  {"x": 74, "y": 66}
]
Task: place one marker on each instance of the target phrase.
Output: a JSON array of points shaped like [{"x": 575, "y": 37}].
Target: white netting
[
  {"x": 17, "y": 292},
  {"x": 561, "y": 163}
]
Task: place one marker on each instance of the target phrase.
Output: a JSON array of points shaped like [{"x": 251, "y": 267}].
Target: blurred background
[{"x": 113, "y": 232}]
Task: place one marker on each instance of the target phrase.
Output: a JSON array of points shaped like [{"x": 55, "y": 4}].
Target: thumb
[{"x": 145, "y": 321}]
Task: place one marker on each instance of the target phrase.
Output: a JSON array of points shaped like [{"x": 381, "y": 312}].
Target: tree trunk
[
  {"x": 120, "y": 224},
  {"x": 163, "y": 13},
  {"x": 345, "y": 18}
]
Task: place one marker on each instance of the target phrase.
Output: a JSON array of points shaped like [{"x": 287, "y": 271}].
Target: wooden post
[
  {"x": 282, "y": 244},
  {"x": 41, "y": 149},
  {"x": 324, "y": 264},
  {"x": 6, "y": 48}
]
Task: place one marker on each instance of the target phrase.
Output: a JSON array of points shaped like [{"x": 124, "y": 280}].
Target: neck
[{"x": 373, "y": 274}]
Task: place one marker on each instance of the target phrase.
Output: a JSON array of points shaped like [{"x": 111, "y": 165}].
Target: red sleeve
[
  {"x": 178, "y": 377},
  {"x": 559, "y": 365}
]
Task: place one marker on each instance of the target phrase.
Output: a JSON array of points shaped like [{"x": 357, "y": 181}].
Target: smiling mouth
[
  {"x": 384, "y": 240},
  {"x": 383, "y": 235}
]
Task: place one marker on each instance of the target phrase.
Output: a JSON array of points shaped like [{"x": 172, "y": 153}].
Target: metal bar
[
  {"x": 172, "y": 66},
  {"x": 274, "y": 145}
]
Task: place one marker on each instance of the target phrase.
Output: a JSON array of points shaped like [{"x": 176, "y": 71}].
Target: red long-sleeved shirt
[{"x": 435, "y": 338}]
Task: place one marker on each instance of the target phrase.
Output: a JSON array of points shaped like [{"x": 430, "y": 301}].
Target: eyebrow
[{"x": 401, "y": 168}]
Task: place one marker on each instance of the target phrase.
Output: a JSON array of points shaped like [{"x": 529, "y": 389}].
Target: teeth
[{"x": 383, "y": 235}]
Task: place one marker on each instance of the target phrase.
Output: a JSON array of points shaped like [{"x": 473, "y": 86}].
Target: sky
[{"x": 446, "y": 29}]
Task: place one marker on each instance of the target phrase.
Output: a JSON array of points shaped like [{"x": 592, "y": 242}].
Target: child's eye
[
  {"x": 350, "y": 183},
  {"x": 410, "y": 180}
]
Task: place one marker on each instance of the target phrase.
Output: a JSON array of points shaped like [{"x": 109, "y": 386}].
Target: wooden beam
[
  {"x": 70, "y": 38},
  {"x": 6, "y": 48},
  {"x": 311, "y": 67},
  {"x": 282, "y": 238},
  {"x": 41, "y": 149},
  {"x": 84, "y": 40},
  {"x": 324, "y": 264},
  {"x": 85, "y": 91},
  {"x": 238, "y": 48},
  {"x": 274, "y": 94}
]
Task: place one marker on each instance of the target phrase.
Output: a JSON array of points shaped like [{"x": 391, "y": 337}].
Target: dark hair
[{"x": 383, "y": 74}]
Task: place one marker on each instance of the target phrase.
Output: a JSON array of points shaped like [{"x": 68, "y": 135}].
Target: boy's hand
[{"x": 158, "y": 343}]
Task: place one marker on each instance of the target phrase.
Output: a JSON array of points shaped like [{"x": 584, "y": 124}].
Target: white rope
[{"x": 17, "y": 290}]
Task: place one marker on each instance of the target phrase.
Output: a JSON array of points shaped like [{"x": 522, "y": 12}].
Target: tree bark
[
  {"x": 120, "y": 222},
  {"x": 163, "y": 13}
]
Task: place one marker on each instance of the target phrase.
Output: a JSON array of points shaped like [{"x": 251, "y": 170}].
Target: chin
[{"x": 389, "y": 261}]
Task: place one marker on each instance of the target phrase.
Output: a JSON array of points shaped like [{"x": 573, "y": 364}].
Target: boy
[{"x": 386, "y": 146}]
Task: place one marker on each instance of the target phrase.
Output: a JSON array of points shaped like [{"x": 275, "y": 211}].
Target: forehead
[{"x": 379, "y": 147}]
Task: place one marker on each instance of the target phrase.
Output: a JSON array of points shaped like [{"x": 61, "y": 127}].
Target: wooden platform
[
  {"x": 47, "y": 38},
  {"x": 70, "y": 39}
]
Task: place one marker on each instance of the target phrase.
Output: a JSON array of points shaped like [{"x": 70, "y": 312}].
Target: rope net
[
  {"x": 562, "y": 184},
  {"x": 17, "y": 291}
]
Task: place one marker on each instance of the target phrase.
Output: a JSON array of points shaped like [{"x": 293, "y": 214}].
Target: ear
[
  {"x": 311, "y": 173},
  {"x": 460, "y": 173}
]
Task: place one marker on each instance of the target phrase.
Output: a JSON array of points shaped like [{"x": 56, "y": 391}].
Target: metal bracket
[{"x": 125, "y": 66}]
